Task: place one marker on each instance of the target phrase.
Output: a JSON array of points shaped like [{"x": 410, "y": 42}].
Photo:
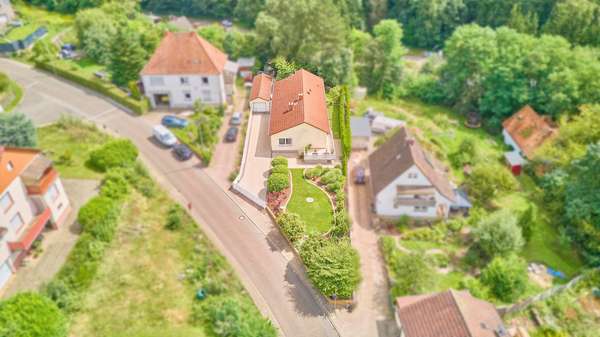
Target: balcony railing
[
  {"x": 318, "y": 155},
  {"x": 41, "y": 186},
  {"x": 32, "y": 231}
]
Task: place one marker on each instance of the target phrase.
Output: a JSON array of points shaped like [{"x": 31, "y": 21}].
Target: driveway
[
  {"x": 249, "y": 241},
  {"x": 57, "y": 244}
]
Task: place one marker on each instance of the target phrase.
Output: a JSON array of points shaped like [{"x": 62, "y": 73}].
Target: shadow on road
[{"x": 303, "y": 306}]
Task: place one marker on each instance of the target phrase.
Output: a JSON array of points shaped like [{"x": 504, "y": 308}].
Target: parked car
[
  {"x": 182, "y": 152},
  {"x": 67, "y": 46},
  {"x": 236, "y": 119},
  {"x": 164, "y": 136},
  {"x": 359, "y": 175},
  {"x": 174, "y": 122},
  {"x": 227, "y": 23},
  {"x": 231, "y": 134}
]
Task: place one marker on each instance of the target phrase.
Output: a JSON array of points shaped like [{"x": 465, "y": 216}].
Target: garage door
[{"x": 5, "y": 273}]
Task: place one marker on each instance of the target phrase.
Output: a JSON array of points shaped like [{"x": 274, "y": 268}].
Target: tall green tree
[
  {"x": 499, "y": 234},
  {"x": 506, "y": 277},
  {"x": 16, "y": 129},
  {"x": 523, "y": 22},
  {"x": 32, "y": 315},
  {"x": 127, "y": 58},
  {"x": 576, "y": 20},
  {"x": 415, "y": 274},
  {"x": 247, "y": 10},
  {"x": 384, "y": 61}
]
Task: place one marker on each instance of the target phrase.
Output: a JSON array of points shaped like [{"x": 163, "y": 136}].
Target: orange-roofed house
[
  {"x": 525, "y": 132},
  {"x": 298, "y": 117},
  {"x": 185, "y": 68},
  {"x": 32, "y": 198}
]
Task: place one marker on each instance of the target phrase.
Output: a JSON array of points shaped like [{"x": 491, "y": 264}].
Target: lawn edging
[{"x": 107, "y": 89}]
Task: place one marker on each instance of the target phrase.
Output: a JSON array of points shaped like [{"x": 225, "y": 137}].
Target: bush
[
  {"x": 436, "y": 233},
  {"x": 278, "y": 182},
  {"x": 31, "y": 315},
  {"x": 61, "y": 294},
  {"x": 506, "y": 278},
  {"x": 292, "y": 226},
  {"x": 313, "y": 172},
  {"x": 98, "y": 217},
  {"x": 332, "y": 265},
  {"x": 340, "y": 201},
  {"x": 116, "y": 153},
  {"x": 279, "y": 160},
  {"x": 413, "y": 274},
  {"x": 527, "y": 222},
  {"x": 332, "y": 176},
  {"x": 280, "y": 169},
  {"x": 402, "y": 223},
  {"x": 488, "y": 180},
  {"x": 499, "y": 234},
  {"x": 174, "y": 217},
  {"x": 340, "y": 226},
  {"x": 114, "y": 185},
  {"x": 228, "y": 316},
  {"x": 16, "y": 129},
  {"x": 474, "y": 287}
]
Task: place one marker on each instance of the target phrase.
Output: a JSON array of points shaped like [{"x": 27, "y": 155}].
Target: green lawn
[
  {"x": 12, "y": 96},
  {"x": 75, "y": 139},
  {"x": 318, "y": 214},
  {"x": 53, "y": 21},
  {"x": 20, "y": 33}
]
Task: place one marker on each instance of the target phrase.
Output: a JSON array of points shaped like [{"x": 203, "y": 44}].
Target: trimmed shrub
[
  {"x": 98, "y": 217},
  {"x": 114, "y": 185},
  {"x": 332, "y": 176},
  {"x": 278, "y": 182},
  {"x": 313, "y": 172},
  {"x": 340, "y": 225},
  {"x": 116, "y": 153},
  {"x": 292, "y": 226},
  {"x": 506, "y": 278},
  {"x": 31, "y": 315},
  {"x": 402, "y": 223},
  {"x": 174, "y": 217},
  {"x": 340, "y": 201},
  {"x": 335, "y": 187},
  {"x": 279, "y": 160},
  {"x": 280, "y": 169}
]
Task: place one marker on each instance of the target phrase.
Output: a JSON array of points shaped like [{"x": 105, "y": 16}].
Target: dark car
[
  {"x": 174, "y": 122},
  {"x": 231, "y": 134},
  {"x": 359, "y": 175},
  {"x": 182, "y": 152}
]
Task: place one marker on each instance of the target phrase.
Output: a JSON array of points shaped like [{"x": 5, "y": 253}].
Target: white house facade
[{"x": 181, "y": 91}]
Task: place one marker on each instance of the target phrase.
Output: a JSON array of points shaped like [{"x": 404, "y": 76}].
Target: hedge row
[
  {"x": 107, "y": 89},
  {"x": 279, "y": 179}
]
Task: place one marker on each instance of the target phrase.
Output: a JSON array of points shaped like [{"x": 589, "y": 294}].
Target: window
[
  {"x": 59, "y": 206},
  {"x": 412, "y": 175},
  {"x": 156, "y": 81},
  {"x": 52, "y": 193},
  {"x": 187, "y": 96},
  {"x": 6, "y": 202},
  {"x": 204, "y": 80},
  {"x": 285, "y": 141},
  {"x": 420, "y": 209},
  {"x": 184, "y": 80},
  {"x": 16, "y": 222}
]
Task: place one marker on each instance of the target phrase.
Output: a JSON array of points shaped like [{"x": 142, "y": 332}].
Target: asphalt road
[{"x": 256, "y": 250}]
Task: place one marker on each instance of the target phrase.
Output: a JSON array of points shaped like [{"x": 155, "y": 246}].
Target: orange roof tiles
[
  {"x": 185, "y": 53},
  {"x": 297, "y": 99},
  {"x": 528, "y": 129},
  {"x": 261, "y": 87},
  {"x": 13, "y": 161}
]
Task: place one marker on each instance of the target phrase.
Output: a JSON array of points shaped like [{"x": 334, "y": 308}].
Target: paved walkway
[{"x": 57, "y": 244}]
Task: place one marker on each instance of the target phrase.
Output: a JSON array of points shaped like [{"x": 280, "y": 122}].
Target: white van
[{"x": 164, "y": 136}]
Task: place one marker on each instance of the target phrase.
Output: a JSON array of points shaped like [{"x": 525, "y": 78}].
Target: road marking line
[
  {"x": 28, "y": 86},
  {"x": 100, "y": 115}
]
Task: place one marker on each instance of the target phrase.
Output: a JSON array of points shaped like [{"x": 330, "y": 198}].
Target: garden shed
[{"x": 361, "y": 132}]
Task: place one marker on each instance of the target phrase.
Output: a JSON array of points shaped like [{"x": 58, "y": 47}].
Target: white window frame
[
  {"x": 20, "y": 226},
  {"x": 184, "y": 80},
  {"x": 10, "y": 203},
  {"x": 54, "y": 188},
  {"x": 286, "y": 141}
]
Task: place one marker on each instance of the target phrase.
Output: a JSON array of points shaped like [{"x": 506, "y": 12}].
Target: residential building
[
  {"x": 408, "y": 181},
  {"x": 7, "y": 14},
  {"x": 382, "y": 124},
  {"x": 525, "y": 132},
  {"x": 186, "y": 68},
  {"x": 32, "y": 198},
  {"x": 360, "y": 128},
  {"x": 182, "y": 23},
  {"x": 448, "y": 314},
  {"x": 298, "y": 117}
]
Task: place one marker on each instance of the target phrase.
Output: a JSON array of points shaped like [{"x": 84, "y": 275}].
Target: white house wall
[
  {"x": 260, "y": 105},
  {"x": 211, "y": 93},
  {"x": 60, "y": 205},
  {"x": 21, "y": 205},
  {"x": 510, "y": 141},
  {"x": 301, "y": 135}
]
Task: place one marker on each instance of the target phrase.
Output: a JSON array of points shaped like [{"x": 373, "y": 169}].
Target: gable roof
[
  {"x": 400, "y": 153},
  {"x": 528, "y": 129},
  {"x": 19, "y": 159},
  {"x": 261, "y": 87},
  {"x": 297, "y": 99},
  {"x": 185, "y": 53},
  {"x": 448, "y": 314}
]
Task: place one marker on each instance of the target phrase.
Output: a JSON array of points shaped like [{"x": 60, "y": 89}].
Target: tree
[
  {"x": 218, "y": 9},
  {"x": 527, "y": 222},
  {"x": 499, "y": 234},
  {"x": 416, "y": 276},
  {"x": 127, "y": 57},
  {"x": 31, "y": 315},
  {"x": 16, "y": 129},
  {"x": 215, "y": 34},
  {"x": 489, "y": 180},
  {"x": 283, "y": 68},
  {"x": 465, "y": 154},
  {"x": 282, "y": 30},
  {"x": 96, "y": 30},
  {"x": 506, "y": 277},
  {"x": 384, "y": 62},
  {"x": 247, "y": 10},
  {"x": 577, "y": 20},
  {"x": 527, "y": 23},
  {"x": 44, "y": 51}
]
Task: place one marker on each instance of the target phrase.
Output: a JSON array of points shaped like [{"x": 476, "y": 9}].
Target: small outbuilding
[
  {"x": 246, "y": 64},
  {"x": 382, "y": 124},
  {"x": 361, "y": 132}
]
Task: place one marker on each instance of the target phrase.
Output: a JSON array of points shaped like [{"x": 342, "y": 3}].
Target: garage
[{"x": 5, "y": 273}]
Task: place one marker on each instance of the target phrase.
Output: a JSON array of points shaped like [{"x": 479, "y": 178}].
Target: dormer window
[
  {"x": 412, "y": 175},
  {"x": 9, "y": 166}
]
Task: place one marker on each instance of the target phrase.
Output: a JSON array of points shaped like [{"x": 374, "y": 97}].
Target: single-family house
[
  {"x": 525, "y": 132},
  {"x": 361, "y": 132},
  {"x": 7, "y": 14},
  {"x": 182, "y": 23},
  {"x": 186, "y": 68},
  {"x": 447, "y": 314},
  {"x": 298, "y": 117},
  {"x": 32, "y": 198},
  {"x": 408, "y": 181}
]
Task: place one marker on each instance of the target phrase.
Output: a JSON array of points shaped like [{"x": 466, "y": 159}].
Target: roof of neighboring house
[
  {"x": 182, "y": 23},
  {"x": 261, "y": 87},
  {"x": 360, "y": 126},
  {"x": 450, "y": 314},
  {"x": 246, "y": 62},
  {"x": 13, "y": 162},
  {"x": 399, "y": 154},
  {"x": 528, "y": 129},
  {"x": 185, "y": 53},
  {"x": 298, "y": 99}
]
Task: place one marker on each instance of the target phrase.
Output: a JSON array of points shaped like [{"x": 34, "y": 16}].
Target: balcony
[
  {"x": 318, "y": 155},
  {"x": 31, "y": 232},
  {"x": 39, "y": 175}
]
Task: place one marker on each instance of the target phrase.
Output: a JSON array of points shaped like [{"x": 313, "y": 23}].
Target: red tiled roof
[
  {"x": 185, "y": 53},
  {"x": 297, "y": 99},
  {"x": 447, "y": 314},
  {"x": 529, "y": 130},
  {"x": 19, "y": 159},
  {"x": 261, "y": 87}
]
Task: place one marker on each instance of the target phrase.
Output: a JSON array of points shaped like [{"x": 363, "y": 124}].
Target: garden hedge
[
  {"x": 278, "y": 182},
  {"x": 116, "y": 153},
  {"x": 292, "y": 226},
  {"x": 31, "y": 315},
  {"x": 279, "y": 160}
]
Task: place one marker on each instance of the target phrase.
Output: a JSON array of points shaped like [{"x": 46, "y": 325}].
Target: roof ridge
[
  {"x": 202, "y": 41},
  {"x": 460, "y": 311}
]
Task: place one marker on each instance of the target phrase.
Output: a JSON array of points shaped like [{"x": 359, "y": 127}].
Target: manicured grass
[
  {"x": 20, "y": 33},
  {"x": 318, "y": 214},
  {"x": 75, "y": 139}
]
